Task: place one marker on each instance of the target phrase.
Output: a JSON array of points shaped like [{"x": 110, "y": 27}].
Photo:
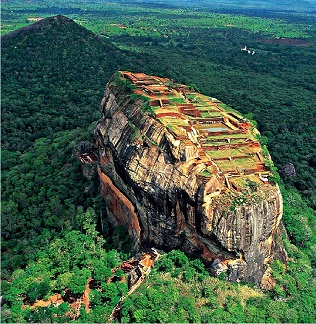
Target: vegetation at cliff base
[
  {"x": 184, "y": 286},
  {"x": 55, "y": 237}
]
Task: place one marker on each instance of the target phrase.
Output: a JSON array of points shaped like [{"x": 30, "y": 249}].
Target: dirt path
[{"x": 142, "y": 267}]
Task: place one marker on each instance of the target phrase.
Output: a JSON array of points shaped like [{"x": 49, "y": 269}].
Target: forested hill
[
  {"x": 53, "y": 72},
  {"x": 53, "y": 76},
  {"x": 41, "y": 25}
]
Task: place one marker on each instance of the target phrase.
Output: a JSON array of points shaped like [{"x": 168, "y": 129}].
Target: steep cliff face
[{"x": 182, "y": 171}]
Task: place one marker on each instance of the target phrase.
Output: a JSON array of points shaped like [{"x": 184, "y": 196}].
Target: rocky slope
[{"x": 182, "y": 171}]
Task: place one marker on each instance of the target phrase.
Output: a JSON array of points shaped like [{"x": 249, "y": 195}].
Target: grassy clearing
[
  {"x": 230, "y": 136},
  {"x": 138, "y": 21},
  {"x": 178, "y": 100},
  {"x": 239, "y": 164},
  {"x": 225, "y": 153}
]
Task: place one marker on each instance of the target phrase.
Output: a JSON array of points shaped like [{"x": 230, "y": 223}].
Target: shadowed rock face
[{"x": 173, "y": 183}]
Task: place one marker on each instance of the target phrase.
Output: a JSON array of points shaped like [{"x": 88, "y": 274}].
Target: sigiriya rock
[{"x": 184, "y": 171}]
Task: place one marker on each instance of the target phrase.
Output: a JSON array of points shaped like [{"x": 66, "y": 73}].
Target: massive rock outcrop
[{"x": 184, "y": 171}]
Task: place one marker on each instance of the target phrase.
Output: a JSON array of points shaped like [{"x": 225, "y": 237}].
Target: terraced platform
[{"x": 226, "y": 142}]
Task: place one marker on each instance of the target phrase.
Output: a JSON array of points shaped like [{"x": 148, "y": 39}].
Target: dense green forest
[
  {"x": 276, "y": 85},
  {"x": 54, "y": 230}
]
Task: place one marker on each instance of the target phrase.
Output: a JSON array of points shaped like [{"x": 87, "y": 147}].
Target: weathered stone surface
[
  {"x": 289, "y": 169},
  {"x": 169, "y": 191}
]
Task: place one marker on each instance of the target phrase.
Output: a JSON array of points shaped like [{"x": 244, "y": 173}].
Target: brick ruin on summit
[{"x": 211, "y": 131}]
